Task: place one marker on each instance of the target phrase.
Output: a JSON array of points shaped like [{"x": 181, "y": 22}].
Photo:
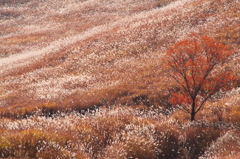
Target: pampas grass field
[{"x": 85, "y": 79}]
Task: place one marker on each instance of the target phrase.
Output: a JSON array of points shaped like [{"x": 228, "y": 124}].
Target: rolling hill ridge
[{"x": 59, "y": 58}]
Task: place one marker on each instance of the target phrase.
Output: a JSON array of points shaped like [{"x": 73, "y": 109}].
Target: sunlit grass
[
  {"x": 83, "y": 79},
  {"x": 129, "y": 132}
]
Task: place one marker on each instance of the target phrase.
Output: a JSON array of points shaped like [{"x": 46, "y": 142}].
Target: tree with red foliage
[{"x": 197, "y": 65}]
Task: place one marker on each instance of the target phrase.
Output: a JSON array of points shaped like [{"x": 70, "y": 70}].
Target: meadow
[{"x": 85, "y": 79}]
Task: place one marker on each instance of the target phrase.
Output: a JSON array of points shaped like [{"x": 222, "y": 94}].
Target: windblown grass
[
  {"x": 121, "y": 131},
  {"x": 83, "y": 79}
]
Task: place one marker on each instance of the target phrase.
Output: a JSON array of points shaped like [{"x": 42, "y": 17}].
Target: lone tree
[{"x": 197, "y": 65}]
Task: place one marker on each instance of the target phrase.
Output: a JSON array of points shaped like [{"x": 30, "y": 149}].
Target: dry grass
[
  {"x": 101, "y": 58},
  {"x": 123, "y": 131},
  {"x": 83, "y": 79}
]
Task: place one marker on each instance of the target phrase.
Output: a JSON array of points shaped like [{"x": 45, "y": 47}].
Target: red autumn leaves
[{"x": 197, "y": 65}]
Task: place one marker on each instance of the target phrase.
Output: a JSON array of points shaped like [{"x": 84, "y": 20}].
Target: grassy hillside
[{"x": 59, "y": 58}]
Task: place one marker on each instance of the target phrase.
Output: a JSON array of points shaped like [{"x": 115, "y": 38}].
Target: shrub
[
  {"x": 92, "y": 141},
  {"x": 131, "y": 146},
  {"x": 198, "y": 139},
  {"x": 180, "y": 116},
  {"x": 167, "y": 140},
  {"x": 234, "y": 115},
  {"x": 35, "y": 144},
  {"x": 226, "y": 146}
]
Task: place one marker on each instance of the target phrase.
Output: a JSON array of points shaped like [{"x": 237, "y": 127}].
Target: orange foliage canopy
[{"x": 196, "y": 64}]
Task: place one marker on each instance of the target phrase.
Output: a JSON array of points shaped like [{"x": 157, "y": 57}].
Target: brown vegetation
[{"x": 84, "y": 79}]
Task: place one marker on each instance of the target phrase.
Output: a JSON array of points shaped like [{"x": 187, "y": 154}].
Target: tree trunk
[
  {"x": 193, "y": 110},
  {"x": 192, "y": 116}
]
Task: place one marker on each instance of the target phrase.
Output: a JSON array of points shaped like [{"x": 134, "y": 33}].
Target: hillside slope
[
  {"x": 84, "y": 79},
  {"x": 75, "y": 53}
]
